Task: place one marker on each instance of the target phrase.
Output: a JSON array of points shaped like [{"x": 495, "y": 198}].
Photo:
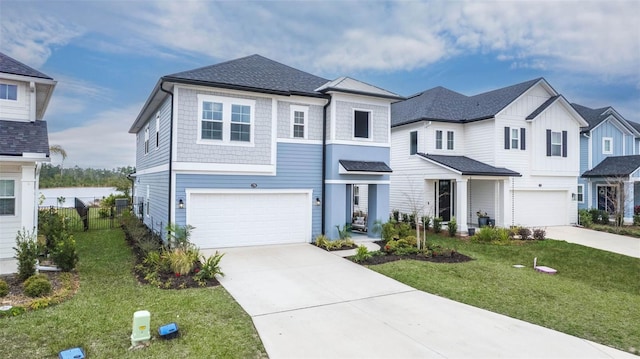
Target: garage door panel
[
  {"x": 541, "y": 208},
  {"x": 241, "y": 219}
]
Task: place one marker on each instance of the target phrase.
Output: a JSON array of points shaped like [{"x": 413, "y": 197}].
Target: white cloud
[{"x": 101, "y": 142}]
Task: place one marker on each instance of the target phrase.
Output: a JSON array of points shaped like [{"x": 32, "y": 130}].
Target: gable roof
[
  {"x": 615, "y": 166},
  {"x": 442, "y": 104},
  {"x": 253, "y": 73},
  {"x": 598, "y": 115},
  {"x": 18, "y": 138},
  {"x": 467, "y": 166},
  {"x": 353, "y": 86},
  {"x": 11, "y": 66}
]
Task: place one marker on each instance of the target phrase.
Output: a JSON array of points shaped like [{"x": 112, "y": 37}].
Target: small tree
[{"x": 26, "y": 253}]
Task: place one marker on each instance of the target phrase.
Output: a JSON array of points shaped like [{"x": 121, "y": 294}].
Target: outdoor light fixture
[
  {"x": 254, "y": 185},
  {"x": 573, "y": 196},
  {"x": 318, "y": 202},
  {"x": 181, "y": 204}
]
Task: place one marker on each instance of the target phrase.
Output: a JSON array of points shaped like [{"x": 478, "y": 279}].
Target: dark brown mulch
[
  {"x": 455, "y": 257},
  {"x": 16, "y": 294}
]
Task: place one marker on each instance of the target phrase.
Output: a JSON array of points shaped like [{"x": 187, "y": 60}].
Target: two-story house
[
  {"x": 512, "y": 153},
  {"x": 609, "y": 162},
  {"x": 252, "y": 152},
  {"x": 24, "y": 146}
]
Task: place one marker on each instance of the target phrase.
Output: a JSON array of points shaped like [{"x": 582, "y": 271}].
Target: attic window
[{"x": 8, "y": 92}]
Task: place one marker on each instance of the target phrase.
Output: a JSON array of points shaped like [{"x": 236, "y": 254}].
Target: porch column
[
  {"x": 461, "y": 205},
  {"x": 28, "y": 197},
  {"x": 506, "y": 218},
  {"x": 628, "y": 201},
  {"x": 378, "y": 207}
]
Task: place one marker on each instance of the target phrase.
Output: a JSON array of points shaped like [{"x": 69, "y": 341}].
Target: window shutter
[
  {"x": 523, "y": 146},
  {"x": 548, "y": 143},
  {"x": 507, "y": 138},
  {"x": 564, "y": 143}
]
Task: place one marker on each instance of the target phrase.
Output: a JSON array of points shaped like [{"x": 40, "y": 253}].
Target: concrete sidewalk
[
  {"x": 308, "y": 303},
  {"x": 616, "y": 243}
]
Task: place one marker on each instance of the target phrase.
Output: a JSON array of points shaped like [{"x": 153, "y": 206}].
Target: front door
[
  {"x": 607, "y": 198},
  {"x": 444, "y": 200}
]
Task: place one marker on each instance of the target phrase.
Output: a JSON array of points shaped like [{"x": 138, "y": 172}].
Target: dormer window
[{"x": 9, "y": 92}]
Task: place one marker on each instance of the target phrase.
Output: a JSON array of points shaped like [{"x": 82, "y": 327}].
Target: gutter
[
  {"x": 324, "y": 162},
  {"x": 169, "y": 208}
]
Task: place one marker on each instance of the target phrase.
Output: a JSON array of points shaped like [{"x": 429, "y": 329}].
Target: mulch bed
[
  {"x": 454, "y": 258},
  {"x": 16, "y": 296}
]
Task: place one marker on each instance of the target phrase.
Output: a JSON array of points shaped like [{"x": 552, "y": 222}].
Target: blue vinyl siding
[
  {"x": 158, "y": 199},
  {"x": 584, "y": 154},
  {"x": 628, "y": 145},
  {"x": 299, "y": 167},
  {"x": 160, "y": 155},
  {"x": 606, "y": 129},
  {"x": 336, "y": 153}
]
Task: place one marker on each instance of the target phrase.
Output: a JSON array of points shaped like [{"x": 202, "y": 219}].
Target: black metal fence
[{"x": 82, "y": 217}]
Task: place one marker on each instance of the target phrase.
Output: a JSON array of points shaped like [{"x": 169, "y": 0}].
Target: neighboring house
[
  {"x": 251, "y": 152},
  {"x": 24, "y": 145},
  {"x": 609, "y": 162},
  {"x": 512, "y": 153}
]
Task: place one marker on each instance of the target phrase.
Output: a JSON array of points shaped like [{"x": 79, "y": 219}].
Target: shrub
[
  {"x": 408, "y": 241},
  {"x": 539, "y": 234},
  {"x": 183, "y": 260},
  {"x": 179, "y": 236},
  {"x": 65, "y": 255},
  {"x": 362, "y": 254},
  {"x": 404, "y": 230},
  {"x": 4, "y": 288},
  {"x": 389, "y": 231},
  {"x": 210, "y": 267},
  {"x": 403, "y": 251},
  {"x": 322, "y": 241},
  {"x": 636, "y": 219},
  {"x": 405, "y": 218},
  {"x": 452, "y": 227},
  {"x": 484, "y": 234},
  {"x": 157, "y": 261},
  {"x": 437, "y": 224},
  {"x": 37, "y": 286},
  {"x": 492, "y": 235},
  {"x": 426, "y": 221},
  {"x": 345, "y": 232},
  {"x": 396, "y": 215},
  {"x": 524, "y": 233},
  {"x": 51, "y": 225},
  {"x": 585, "y": 218},
  {"x": 604, "y": 217},
  {"x": 26, "y": 253}
]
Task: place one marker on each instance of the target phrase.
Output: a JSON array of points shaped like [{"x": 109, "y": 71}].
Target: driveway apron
[
  {"x": 616, "y": 243},
  {"x": 308, "y": 303}
]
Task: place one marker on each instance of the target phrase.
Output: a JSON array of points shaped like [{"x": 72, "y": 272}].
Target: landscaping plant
[
  {"x": 362, "y": 254},
  {"x": 210, "y": 267},
  {"x": 26, "y": 253},
  {"x": 437, "y": 224},
  {"x": 64, "y": 254},
  {"x": 452, "y": 227},
  {"x": 345, "y": 232},
  {"x": 37, "y": 285},
  {"x": 4, "y": 288}
]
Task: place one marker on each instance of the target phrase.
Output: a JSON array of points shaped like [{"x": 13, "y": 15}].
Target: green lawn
[
  {"x": 99, "y": 317},
  {"x": 595, "y": 294}
]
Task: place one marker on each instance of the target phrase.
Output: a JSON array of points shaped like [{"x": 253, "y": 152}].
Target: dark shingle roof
[
  {"x": 468, "y": 166},
  {"x": 17, "y": 138},
  {"x": 635, "y": 125},
  {"x": 365, "y": 166},
  {"x": 543, "y": 107},
  {"x": 445, "y": 105},
  {"x": 615, "y": 166},
  {"x": 255, "y": 73},
  {"x": 591, "y": 115},
  {"x": 9, "y": 65}
]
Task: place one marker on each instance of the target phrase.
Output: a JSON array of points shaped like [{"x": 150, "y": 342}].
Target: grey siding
[
  {"x": 158, "y": 184},
  {"x": 299, "y": 167},
  {"x": 190, "y": 151},
  {"x": 336, "y": 153},
  {"x": 379, "y": 121},
  {"x": 157, "y": 155},
  {"x": 314, "y": 122}
]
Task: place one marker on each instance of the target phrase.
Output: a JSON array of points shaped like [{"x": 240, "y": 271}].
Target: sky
[{"x": 107, "y": 55}]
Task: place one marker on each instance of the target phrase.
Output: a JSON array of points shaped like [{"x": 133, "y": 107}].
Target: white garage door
[
  {"x": 541, "y": 208},
  {"x": 249, "y": 218}
]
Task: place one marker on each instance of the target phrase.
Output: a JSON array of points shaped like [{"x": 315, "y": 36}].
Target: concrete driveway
[
  {"x": 308, "y": 303},
  {"x": 628, "y": 246}
]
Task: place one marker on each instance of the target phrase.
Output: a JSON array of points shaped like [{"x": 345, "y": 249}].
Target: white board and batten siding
[{"x": 235, "y": 218}]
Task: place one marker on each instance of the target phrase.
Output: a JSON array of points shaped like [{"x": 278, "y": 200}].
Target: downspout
[
  {"x": 36, "y": 188},
  {"x": 169, "y": 209},
  {"x": 324, "y": 162}
]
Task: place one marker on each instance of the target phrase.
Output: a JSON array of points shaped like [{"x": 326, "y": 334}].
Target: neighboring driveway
[
  {"x": 308, "y": 303},
  {"x": 616, "y": 243}
]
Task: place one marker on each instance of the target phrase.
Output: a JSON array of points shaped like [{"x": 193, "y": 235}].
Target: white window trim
[
  {"x": 353, "y": 126},
  {"x": 604, "y": 141},
  {"x": 15, "y": 200},
  {"x": 578, "y": 194},
  {"x": 18, "y": 99},
  {"x": 515, "y": 131},
  {"x": 157, "y": 130},
  {"x": 226, "y": 120},
  {"x": 435, "y": 144},
  {"x": 305, "y": 110},
  {"x": 453, "y": 140},
  {"x": 556, "y": 144},
  {"x": 146, "y": 140}
]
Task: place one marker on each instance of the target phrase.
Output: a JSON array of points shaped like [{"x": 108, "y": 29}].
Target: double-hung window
[
  {"x": 556, "y": 144},
  {"x": 211, "y": 120},
  {"x": 413, "y": 139},
  {"x": 580, "y": 195},
  {"x": 450, "y": 140},
  {"x": 438, "y": 140},
  {"x": 515, "y": 138},
  {"x": 361, "y": 124},
  {"x": 8, "y": 92},
  {"x": 7, "y": 198},
  {"x": 240, "y": 123},
  {"x": 299, "y": 121}
]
